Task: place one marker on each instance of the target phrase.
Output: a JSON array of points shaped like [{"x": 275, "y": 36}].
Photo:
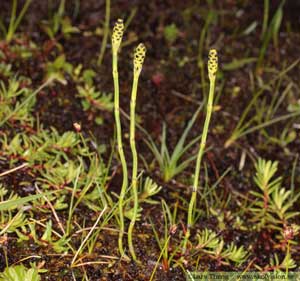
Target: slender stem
[
  {"x": 270, "y": 122},
  {"x": 21, "y": 15},
  {"x": 244, "y": 131},
  {"x": 105, "y": 34},
  {"x": 134, "y": 165},
  {"x": 14, "y": 169},
  {"x": 11, "y": 27},
  {"x": 161, "y": 254},
  {"x": 266, "y": 18},
  {"x": 199, "y": 158},
  {"x": 120, "y": 150},
  {"x": 87, "y": 237},
  {"x": 14, "y": 20},
  {"x": 71, "y": 209},
  {"x": 201, "y": 63}
]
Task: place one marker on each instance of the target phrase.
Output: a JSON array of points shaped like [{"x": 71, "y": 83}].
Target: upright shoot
[
  {"x": 139, "y": 56},
  {"x": 212, "y": 70},
  {"x": 116, "y": 42}
]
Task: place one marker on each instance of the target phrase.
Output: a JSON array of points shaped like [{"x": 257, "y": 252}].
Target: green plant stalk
[
  {"x": 139, "y": 56},
  {"x": 201, "y": 63},
  {"x": 265, "y": 19},
  {"x": 105, "y": 34},
  {"x": 287, "y": 254},
  {"x": 134, "y": 165},
  {"x": 71, "y": 210},
  {"x": 201, "y": 148},
  {"x": 161, "y": 254},
  {"x": 120, "y": 150},
  {"x": 88, "y": 236},
  {"x": 7, "y": 204},
  {"x": 57, "y": 18},
  {"x": 11, "y": 26},
  {"x": 199, "y": 158},
  {"x": 269, "y": 34},
  {"x": 15, "y": 22}
]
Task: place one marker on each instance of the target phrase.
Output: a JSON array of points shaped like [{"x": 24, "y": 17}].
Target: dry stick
[
  {"x": 27, "y": 258},
  {"x": 55, "y": 233},
  {"x": 14, "y": 169},
  {"x": 52, "y": 209},
  {"x": 212, "y": 70},
  {"x": 116, "y": 42},
  {"x": 11, "y": 221},
  {"x": 88, "y": 236},
  {"x": 139, "y": 56}
]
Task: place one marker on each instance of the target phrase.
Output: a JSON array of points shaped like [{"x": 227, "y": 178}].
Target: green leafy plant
[
  {"x": 83, "y": 76},
  {"x": 15, "y": 107},
  {"x": 46, "y": 147},
  {"x": 171, "y": 33},
  {"x": 9, "y": 221},
  {"x": 264, "y": 116},
  {"x": 169, "y": 163},
  {"x": 93, "y": 100},
  {"x": 209, "y": 243},
  {"x": 272, "y": 204},
  {"x": 55, "y": 159},
  {"x": 207, "y": 239},
  {"x": 24, "y": 106},
  {"x": 20, "y": 273},
  {"x": 23, "y": 50},
  {"x": 148, "y": 188},
  {"x": 60, "y": 245},
  {"x": 59, "y": 23},
  {"x": 56, "y": 70},
  {"x": 170, "y": 228},
  {"x": 11, "y": 96},
  {"x": 278, "y": 266},
  {"x": 6, "y": 69},
  {"x": 15, "y": 201},
  {"x": 234, "y": 254}
]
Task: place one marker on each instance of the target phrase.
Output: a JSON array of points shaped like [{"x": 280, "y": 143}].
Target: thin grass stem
[{"x": 105, "y": 33}]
